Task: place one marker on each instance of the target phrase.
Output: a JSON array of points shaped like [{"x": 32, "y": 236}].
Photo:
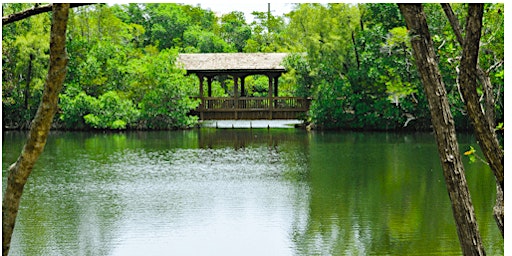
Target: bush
[
  {"x": 74, "y": 109},
  {"x": 112, "y": 112},
  {"x": 109, "y": 111}
]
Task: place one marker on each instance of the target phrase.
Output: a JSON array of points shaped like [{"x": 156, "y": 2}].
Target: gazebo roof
[{"x": 232, "y": 62}]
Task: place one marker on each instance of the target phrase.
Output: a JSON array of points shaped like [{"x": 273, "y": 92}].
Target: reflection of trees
[
  {"x": 79, "y": 190},
  {"x": 376, "y": 194},
  {"x": 350, "y": 193},
  {"x": 241, "y": 138},
  {"x": 65, "y": 209}
]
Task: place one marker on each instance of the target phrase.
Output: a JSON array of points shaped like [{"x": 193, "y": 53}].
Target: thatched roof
[{"x": 232, "y": 62}]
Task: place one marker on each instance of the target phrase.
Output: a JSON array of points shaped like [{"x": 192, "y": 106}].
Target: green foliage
[
  {"x": 378, "y": 14},
  {"x": 330, "y": 109},
  {"x": 300, "y": 73},
  {"x": 267, "y": 33},
  {"x": 234, "y": 30},
  {"x": 200, "y": 41},
  {"x": 25, "y": 52},
  {"x": 111, "y": 111},
  {"x": 353, "y": 61},
  {"x": 357, "y": 80},
  {"x": 166, "y": 101},
  {"x": 73, "y": 109}
]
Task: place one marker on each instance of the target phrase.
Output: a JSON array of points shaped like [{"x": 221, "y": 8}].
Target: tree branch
[
  {"x": 33, "y": 11},
  {"x": 454, "y": 22},
  {"x": 494, "y": 66}
]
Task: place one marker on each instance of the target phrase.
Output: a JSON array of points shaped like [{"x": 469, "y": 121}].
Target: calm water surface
[{"x": 243, "y": 192}]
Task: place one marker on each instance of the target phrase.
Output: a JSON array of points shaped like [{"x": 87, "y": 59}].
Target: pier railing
[{"x": 252, "y": 108}]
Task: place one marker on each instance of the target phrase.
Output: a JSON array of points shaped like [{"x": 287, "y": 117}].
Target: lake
[{"x": 243, "y": 192}]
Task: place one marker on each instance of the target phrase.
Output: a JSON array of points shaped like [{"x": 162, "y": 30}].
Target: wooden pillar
[
  {"x": 235, "y": 92},
  {"x": 201, "y": 87},
  {"x": 201, "y": 96},
  {"x": 242, "y": 86},
  {"x": 276, "y": 82},
  {"x": 270, "y": 98},
  {"x": 210, "y": 79}
]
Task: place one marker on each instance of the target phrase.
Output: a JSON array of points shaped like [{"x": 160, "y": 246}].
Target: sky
[{"x": 277, "y": 8}]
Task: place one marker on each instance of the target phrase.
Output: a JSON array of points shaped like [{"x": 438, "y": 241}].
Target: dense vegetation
[{"x": 354, "y": 61}]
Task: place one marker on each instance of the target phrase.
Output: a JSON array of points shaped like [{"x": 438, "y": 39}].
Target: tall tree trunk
[
  {"x": 484, "y": 128},
  {"x": 20, "y": 171},
  {"x": 489, "y": 110},
  {"x": 444, "y": 128}
]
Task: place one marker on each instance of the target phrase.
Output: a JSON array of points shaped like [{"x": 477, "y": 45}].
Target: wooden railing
[
  {"x": 255, "y": 103},
  {"x": 252, "y": 107}
]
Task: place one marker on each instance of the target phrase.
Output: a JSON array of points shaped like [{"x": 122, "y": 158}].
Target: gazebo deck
[{"x": 252, "y": 108}]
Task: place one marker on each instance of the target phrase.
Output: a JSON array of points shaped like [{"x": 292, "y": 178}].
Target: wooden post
[
  {"x": 270, "y": 98},
  {"x": 276, "y": 82},
  {"x": 210, "y": 79},
  {"x": 242, "y": 86},
  {"x": 201, "y": 96},
  {"x": 235, "y": 91}
]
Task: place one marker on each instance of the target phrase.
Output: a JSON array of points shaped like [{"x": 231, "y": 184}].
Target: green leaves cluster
[
  {"x": 24, "y": 65},
  {"x": 359, "y": 75},
  {"x": 355, "y": 62}
]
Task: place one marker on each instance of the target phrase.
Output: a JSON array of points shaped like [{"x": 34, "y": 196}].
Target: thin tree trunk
[
  {"x": 484, "y": 128},
  {"x": 26, "y": 96},
  {"x": 29, "y": 77},
  {"x": 482, "y": 75},
  {"x": 20, "y": 171},
  {"x": 444, "y": 128},
  {"x": 355, "y": 51}
]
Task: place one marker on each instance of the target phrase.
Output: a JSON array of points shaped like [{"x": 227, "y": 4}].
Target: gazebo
[{"x": 238, "y": 66}]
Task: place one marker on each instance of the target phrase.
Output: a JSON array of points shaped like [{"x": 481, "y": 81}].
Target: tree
[
  {"x": 482, "y": 120},
  {"x": 166, "y": 24},
  {"x": 20, "y": 171},
  {"x": 266, "y": 35},
  {"x": 198, "y": 40},
  {"x": 234, "y": 30},
  {"x": 444, "y": 128},
  {"x": 24, "y": 58}
]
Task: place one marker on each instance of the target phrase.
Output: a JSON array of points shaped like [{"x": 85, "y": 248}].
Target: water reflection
[{"x": 242, "y": 192}]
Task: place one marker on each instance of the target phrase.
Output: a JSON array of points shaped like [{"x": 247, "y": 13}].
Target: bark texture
[
  {"x": 19, "y": 172},
  {"x": 444, "y": 129}
]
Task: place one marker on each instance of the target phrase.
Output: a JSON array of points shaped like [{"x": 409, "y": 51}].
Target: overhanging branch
[{"x": 33, "y": 11}]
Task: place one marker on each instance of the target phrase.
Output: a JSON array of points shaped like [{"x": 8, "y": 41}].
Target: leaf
[{"x": 471, "y": 151}]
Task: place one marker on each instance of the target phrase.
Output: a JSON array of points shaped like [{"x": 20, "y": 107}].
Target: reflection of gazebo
[{"x": 239, "y": 66}]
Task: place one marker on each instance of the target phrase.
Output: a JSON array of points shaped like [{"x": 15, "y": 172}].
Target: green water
[{"x": 243, "y": 192}]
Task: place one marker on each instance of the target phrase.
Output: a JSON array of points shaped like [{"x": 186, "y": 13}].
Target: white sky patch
[{"x": 247, "y": 7}]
